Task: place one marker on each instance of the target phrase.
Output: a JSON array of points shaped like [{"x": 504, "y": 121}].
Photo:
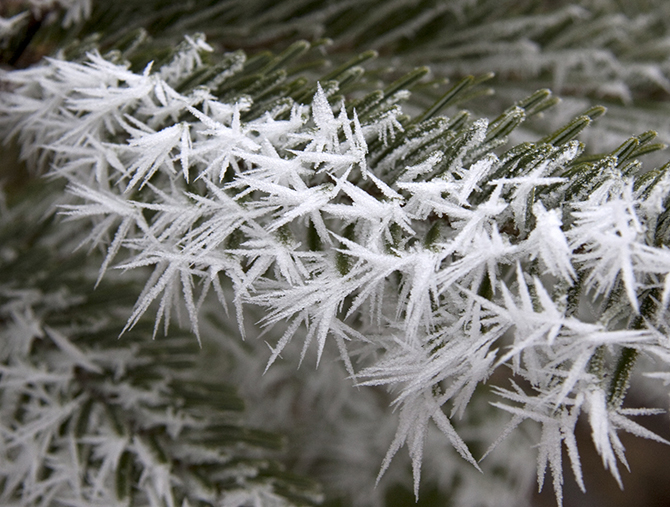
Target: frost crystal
[{"x": 427, "y": 256}]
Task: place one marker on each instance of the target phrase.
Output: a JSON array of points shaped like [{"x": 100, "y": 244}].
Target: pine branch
[
  {"x": 432, "y": 251},
  {"x": 91, "y": 419}
]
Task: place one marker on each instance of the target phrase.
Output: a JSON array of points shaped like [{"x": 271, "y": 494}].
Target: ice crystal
[{"x": 425, "y": 252}]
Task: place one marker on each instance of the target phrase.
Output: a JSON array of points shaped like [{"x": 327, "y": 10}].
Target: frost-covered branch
[{"x": 429, "y": 252}]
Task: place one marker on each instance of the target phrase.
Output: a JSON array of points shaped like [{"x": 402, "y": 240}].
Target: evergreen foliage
[
  {"x": 88, "y": 419},
  {"x": 462, "y": 265}
]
